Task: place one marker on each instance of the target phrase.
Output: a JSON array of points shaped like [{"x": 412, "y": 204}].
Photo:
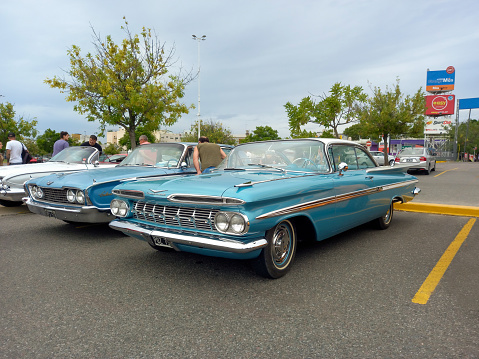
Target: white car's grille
[{"x": 197, "y": 218}]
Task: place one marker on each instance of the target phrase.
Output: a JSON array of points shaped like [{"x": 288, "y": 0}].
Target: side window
[
  {"x": 344, "y": 153},
  {"x": 363, "y": 159}
]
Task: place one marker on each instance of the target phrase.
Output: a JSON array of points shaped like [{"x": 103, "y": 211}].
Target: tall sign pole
[{"x": 199, "y": 39}]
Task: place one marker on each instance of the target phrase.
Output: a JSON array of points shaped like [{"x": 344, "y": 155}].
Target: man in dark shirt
[
  {"x": 92, "y": 142},
  {"x": 210, "y": 155}
]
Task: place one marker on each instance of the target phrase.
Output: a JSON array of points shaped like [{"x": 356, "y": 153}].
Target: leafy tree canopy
[
  {"x": 112, "y": 149},
  {"x": 140, "y": 130},
  {"x": 391, "y": 113},
  {"x": 46, "y": 141},
  {"x": 262, "y": 133},
  {"x": 472, "y": 140},
  {"x": 339, "y": 108},
  {"x": 21, "y": 127},
  {"x": 125, "y": 84},
  {"x": 215, "y": 132}
]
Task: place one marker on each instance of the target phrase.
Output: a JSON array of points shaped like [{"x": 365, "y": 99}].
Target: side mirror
[
  {"x": 184, "y": 166},
  {"x": 96, "y": 163},
  {"x": 343, "y": 167}
]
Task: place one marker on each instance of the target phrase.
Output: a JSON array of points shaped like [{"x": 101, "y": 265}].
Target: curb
[{"x": 451, "y": 210}]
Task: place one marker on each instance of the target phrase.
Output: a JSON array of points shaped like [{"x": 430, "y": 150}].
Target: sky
[{"x": 257, "y": 56}]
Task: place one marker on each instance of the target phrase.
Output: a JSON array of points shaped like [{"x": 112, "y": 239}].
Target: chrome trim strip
[
  {"x": 221, "y": 244},
  {"x": 333, "y": 199},
  {"x": 203, "y": 199},
  {"x": 248, "y": 184}
]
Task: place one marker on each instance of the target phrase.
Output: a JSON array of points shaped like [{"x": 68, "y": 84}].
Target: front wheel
[
  {"x": 10, "y": 203},
  {"x": 276, "y": 258},
  {"x": 384, "y": 221}
]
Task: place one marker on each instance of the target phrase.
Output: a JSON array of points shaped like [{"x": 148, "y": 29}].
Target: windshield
[
  {"x": 158, "y": 155},
  {"x": 300, "y": 155},
  {"x": 416, "y": 151},
  {"x": 77, "y": 154}
]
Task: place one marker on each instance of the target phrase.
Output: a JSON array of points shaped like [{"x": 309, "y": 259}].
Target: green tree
[
  {"x": 22, "y": 128},
  {"x": 215, "y": 132},
  {"x": 472, "y": 131},
  {"x": 125, "y": 141},
  {"x": 262, "y": 133},
  {"x": 390, "y": 113},
  {"x": 356, "y": 132},
  {"x": 125, "y": 85},
  {"x": 112, "y": 149},
  {"x": 46, "y": 140},
  {"x": 339, "y": 108}
]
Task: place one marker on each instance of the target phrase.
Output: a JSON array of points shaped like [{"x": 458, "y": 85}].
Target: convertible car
[
  {"x": 86, "y": 196},
  {"x": 263, "y": 199},
  {"x": 71, "y": 159}
]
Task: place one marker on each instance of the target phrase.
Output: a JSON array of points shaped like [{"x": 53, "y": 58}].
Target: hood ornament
[
  {"x": 157, "y": 191},
  {"x": 49, "y": 183}
]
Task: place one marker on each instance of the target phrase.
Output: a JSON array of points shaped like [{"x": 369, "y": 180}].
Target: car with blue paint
[
  {"x": 85, "y": 197},
  {"x": 70, "y": 160},
  {"x": 264, "y": 199}
]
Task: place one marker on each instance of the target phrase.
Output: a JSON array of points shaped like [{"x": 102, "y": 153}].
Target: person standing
[
  {"x": 1, "y": 156},
  {"x": 210, "y": 155},
  {"x": 143, "y": 140},
  {"x": 92, "y": 142},
  {"x": 62, "y": 143},
  {"x": 14, "y": 150}
]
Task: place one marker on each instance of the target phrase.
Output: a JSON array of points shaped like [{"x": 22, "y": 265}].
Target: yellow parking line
[
  {"x": 432, "y": 280},
  {"x": 445, "y": 172}
]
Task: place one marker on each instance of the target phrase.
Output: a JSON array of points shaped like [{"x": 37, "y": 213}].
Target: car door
[{"x": 354, "y": 188}]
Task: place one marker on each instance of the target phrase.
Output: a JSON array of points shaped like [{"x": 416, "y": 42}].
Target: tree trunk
[{"x": 131, "y": 132}]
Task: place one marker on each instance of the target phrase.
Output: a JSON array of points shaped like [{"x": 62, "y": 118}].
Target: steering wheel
[{"x": 305, "y": 163}]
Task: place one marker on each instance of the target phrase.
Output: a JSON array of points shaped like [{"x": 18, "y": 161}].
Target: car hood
[
  {"x": 237, "y": 184},
  {"x": 47, "y": 167},
  {"x": 85, "y": 179}
]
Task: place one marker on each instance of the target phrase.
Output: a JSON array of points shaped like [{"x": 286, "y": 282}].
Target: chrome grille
[
  {"x": 196, "y": 218},
  {"x": 54, "y": 195}
]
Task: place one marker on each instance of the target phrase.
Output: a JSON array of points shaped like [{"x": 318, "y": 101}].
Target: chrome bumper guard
[
  {"x": 220, "y": 244},
  {"x": 85, "y": 214}
]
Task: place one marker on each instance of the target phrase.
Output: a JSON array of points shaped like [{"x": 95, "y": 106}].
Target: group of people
[{"x": 206, "y": 155}]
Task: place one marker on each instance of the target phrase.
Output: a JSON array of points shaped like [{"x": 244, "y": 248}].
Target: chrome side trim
[
  {"x": 219, "y": 244},
  {"x": 333, "y": 199},
  {"x": 249, "y": 184}
]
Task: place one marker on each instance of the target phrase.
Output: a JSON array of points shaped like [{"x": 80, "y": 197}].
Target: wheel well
[
  {"x": 304, "y": 228},
  {"x": 398, "y": 200}
]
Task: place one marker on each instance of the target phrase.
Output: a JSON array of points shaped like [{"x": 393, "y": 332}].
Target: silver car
[
  {"x": 419, "y": 158},
  {"x": 379, "y": 157}
]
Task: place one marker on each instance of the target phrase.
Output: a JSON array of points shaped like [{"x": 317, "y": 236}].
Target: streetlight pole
[{"x": 199, "y": 39}]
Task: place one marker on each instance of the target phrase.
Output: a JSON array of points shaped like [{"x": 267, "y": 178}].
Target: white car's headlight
[
  {"x": 119, "y": 208},
  {"x": 232, "y": 223}
]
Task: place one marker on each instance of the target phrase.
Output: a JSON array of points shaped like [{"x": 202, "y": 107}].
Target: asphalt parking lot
[{"x": 90, "y": 292}]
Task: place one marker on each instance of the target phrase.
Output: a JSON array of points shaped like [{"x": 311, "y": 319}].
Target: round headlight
[
  {"x": 221, "y": 221},
  {"x": 237, "y": 223},
  {"x": 33, "y": 191},
  {"x": 70, "y": 196},
  {"x": 80, "y": 197},
  {"x": 39, "y": 192},
  {"x": 119, "y": 208}
]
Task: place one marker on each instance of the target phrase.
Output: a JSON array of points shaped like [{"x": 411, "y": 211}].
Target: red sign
[
  {"x": 450, "y": 69},
  {"x": 440, "y": 105},
  {"x": 368, "y": 144}
]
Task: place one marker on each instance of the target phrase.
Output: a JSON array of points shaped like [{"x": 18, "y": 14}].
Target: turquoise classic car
[
  {"x": 86, "y": 196},
  {"x": 264, "y": 199}
]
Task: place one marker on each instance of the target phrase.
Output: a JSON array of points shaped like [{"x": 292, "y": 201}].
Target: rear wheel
[
  {"x": 428, "y": 171},
  {"x": 384, "y": 221},
  {"x": 276, "y": 258}
]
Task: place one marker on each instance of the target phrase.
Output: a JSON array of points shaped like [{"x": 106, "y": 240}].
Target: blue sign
[
  {"x": 468, "y": 103},
  {"x": 440, "y": 80}
]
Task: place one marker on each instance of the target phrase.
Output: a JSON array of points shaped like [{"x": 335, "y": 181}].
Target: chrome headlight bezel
[
  {"x": 71, "y": 195},
  {"x": 231, "y": 223},
  {"x": 119, "y": 208},
  {"x": 36, "y": 192},
  {"x": 79, "y": 196}
]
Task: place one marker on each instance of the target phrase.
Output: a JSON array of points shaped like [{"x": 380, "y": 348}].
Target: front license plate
[
  {"x": 50, "y": 213},
  {"x": 161, "y": 241}
]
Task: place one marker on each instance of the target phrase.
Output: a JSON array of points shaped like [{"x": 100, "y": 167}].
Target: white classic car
[{"x": 71, "y": 159}]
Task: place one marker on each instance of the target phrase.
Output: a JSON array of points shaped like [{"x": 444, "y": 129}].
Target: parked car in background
[
  {"x": 379, "y": 157},
  {"x": 85, "y": 197},
  {"x": 265, "y": 198},
  {"x": 418, "y": 158},
  {"x": 71, "y": 159}
]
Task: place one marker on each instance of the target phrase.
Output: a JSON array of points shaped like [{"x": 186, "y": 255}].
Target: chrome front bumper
[
  {"x": 12, "y": 195},
  {"x": 156, "y": 236},
  {"x": 85, "y": 214}
]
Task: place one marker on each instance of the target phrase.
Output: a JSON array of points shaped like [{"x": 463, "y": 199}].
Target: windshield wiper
[
  {"x": 267, "y": 166},
  {"x": 234, "y": 169}
]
